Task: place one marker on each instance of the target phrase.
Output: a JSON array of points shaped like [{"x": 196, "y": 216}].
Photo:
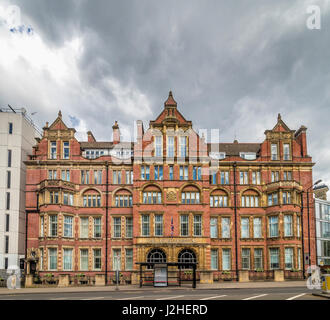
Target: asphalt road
[{"x": 294, "y": 293}]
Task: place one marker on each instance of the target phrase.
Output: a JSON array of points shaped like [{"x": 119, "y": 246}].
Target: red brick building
[{"x": 234, "y": 208}]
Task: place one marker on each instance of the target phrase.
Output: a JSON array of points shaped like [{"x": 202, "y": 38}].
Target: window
[
  {"x": 274, "y": 258},
  {"x": 275, "y": 176},
  {"x": 214, "y": 259},
  {"x": 197, "y": 225},
  {"x": 286, "y": 151},
  {"x": 129, "y": 227},
  {"x": 214, "y": 227},
  {"x": 183, "y": 147},
  {"x": 288, "y": 253},
  {"x": 225, "y": 228},
  {"x": 245, "y": 227},
  {"x": 183, "y": 172},
  {"x": 84, "y": 227},
  {"x": 97, "y": 227},
  {"x": 245, "y": 259},
  {"x": 116, "y": 261},
  {"x": 298, "y": 225},
  {"x": 325, "y": 230},
  {"x": 187, "y": 256},
  {"x": 65, "y": 175},
  {"x": 97, "y": 176},
  {"x": 299, "y": 259},
  {"x": 53, "y": 151},
  {"x": 52, "y": 174},
  {"x": 274, "y": 151},
  {"x": 41, "y": 261},
  {"x": 248, "y": 155},
  {"x": 128, "y": 259},
  {"x": 288, "y": 226},
  {"x": 273, "y": 226},
  {"x": 68, "y": 221},
  {"x": 67, "y": 259},
  {"x": 53, "y": 197},
  {"x": 10, "y": 128},
  {"x": 8, "y": 179},
  {"x": 116, "y": 176},
  {"x": 158, "y": 225},
  {"x": 66, "y": 150},
  {"x": 257, "y": 233},
  {"x": 213, "y": 177},
  {"x": 197, "y": 173},
  {"x": 255, "y": 177},
  {"x": 129, "y": 176},
  {"x": 7, "y": 200},
  {"x": 116, "y": 227},
  {"x": 287, "y": 175},
  {"x": 6, "y": 244},
  {"x": 145, "y": 225},
  {"x": 145, "y": 173},
  {"x": 218, "y": 201},
  {"x": 7, "y": 222},
  {"x": 250, "y": 201},
  {"x": 84, "y": 259},
  {"x": 286, "y": 197},
  {"x": 258, "y": 259},
  {"x": 158, "y": 146},
  {"x": 325, "y": 245},
  {"x": 171, "y": 173},
  {"x": 226, "y": 259},
  {"x": 123, "y": 200},
  {"x": 158, "y": 172},
  {"x": 273, "y": 199},
  {"x": 84, "y": 176},
  {"x": 53, "y": 226},
  {"x": 170, "y": 146},
  {"x": 68, "y": 198},
  {"x": 152, "y": 197},
  {"x": 97, "y": 259},
  {"x": 9, "y": 159},
  {"x": 92, "y": 200},
  {"x": 184, "y": 225},
  {"x": 52, "y": 258},
  {"x": 190, "y": 197},
  {"x": 224, "y": 177},
  {"x": 42, "y": 226},
  {"x": 244, "y": 177},
  {"x": 156, "y": 256}
]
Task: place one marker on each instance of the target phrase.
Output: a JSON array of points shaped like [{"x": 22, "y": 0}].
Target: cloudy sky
[{"x": 232, "y": 65}]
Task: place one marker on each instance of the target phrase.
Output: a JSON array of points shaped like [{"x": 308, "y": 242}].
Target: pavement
[{"x": 289, "y": 290}]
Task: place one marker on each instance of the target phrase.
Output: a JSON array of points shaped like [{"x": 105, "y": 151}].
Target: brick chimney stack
[
  {"x": 300, "y": 136},
  {"x": 90, "y": 137},
  {"x": 115, "y": 133}
]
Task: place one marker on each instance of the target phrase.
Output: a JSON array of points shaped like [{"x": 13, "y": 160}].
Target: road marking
[
  {"x": 130, "y": 298},
  {"x": 209, "y": 298},
  {"x": 255, "y": 297},
  {"x": 95, "y": 298},
  {"x": 295, "y": 297},
  {"x": 169, "y": 298}
]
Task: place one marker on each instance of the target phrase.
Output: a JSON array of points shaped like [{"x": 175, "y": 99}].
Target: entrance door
[{"x": 33, "y": 267}]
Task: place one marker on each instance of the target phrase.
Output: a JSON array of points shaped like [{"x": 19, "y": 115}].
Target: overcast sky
[{"x": 232, "y": 65}]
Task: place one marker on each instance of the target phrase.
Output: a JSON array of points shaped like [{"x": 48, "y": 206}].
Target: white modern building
[
  {"x": 17, "y": 136},
  {"x": 322, "y": 214}
]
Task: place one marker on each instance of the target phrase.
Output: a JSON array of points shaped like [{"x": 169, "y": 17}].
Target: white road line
[
  {"x": 255, "y": 297},
  {"x": 295, "y": 297},
  {"x": 130, "y": 298},
  {"x": 169, "y": 298},
  {"x": 214, "y": 297},
  {"x": 95, "y": 298}
]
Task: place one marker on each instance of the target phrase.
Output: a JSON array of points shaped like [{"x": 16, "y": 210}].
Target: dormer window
[
  {"x": 248, "y": 155},
  {"x": 66, "y": 150},
  {"x": 274, "y": 151},
  {"x": 53, "y": 150},
  {"x": 218, "y": 155},
  {"x": 286, "y": 151}
]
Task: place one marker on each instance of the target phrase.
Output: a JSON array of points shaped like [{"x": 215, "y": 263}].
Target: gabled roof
[{"x": 280, "y": 125}]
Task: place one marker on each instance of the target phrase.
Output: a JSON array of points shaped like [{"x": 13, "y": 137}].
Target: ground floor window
[
  {"x": 67, "y": 259},
  {"x": 156, "y": 256},
  {"x": 214, "y": 259},
  {"x": 226, "y": 259},
  {"x": 258, "y": 259},
  {"x": 246, "y": 259},
  {"x": 128, "y": 259},
  {"x": 274, "y": 258},
  {"x": 187, "y": 256}
]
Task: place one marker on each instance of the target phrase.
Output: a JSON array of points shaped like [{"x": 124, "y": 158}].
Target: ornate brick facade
[{"x": 170, "y": 196}]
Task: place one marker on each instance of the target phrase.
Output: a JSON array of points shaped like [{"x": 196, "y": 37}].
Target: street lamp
[{"x": 309, "y": 231}]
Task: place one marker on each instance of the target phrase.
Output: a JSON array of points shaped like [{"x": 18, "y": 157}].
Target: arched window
[
  {"x": 91, "y": 198},
  {"x": 187, "y": 256},
  {"x": 156, "y": 256},
  {"x": 152, "y": 195},
  {"x": 190, "y": 195},
  {"x": 123, "y": 198},
  {"x": 219, "y": 198},
  {"x": 250, "y": 198}
]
